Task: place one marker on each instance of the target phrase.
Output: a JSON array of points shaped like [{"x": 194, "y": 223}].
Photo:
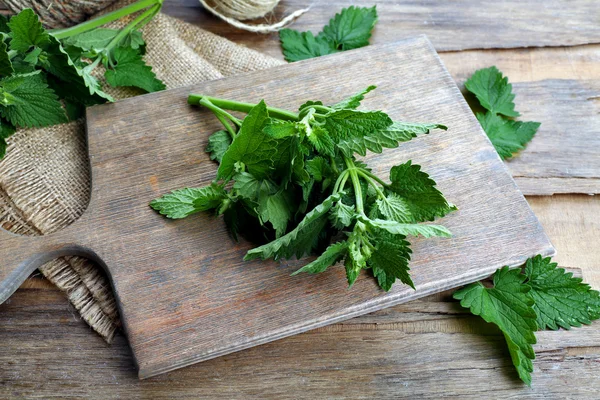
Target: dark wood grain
[
  {"x": 428, "y": 348},
  {"x": 185, "y": 293},
  {"x": 451, "y": 25}
]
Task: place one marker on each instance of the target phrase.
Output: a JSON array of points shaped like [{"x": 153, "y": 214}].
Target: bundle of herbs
[{"x": 295, "y": 178}]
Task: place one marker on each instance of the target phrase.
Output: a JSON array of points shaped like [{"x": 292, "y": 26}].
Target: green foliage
[
  {"x": 495, "y": 95},
  {"x": 47, "y": 76},
  {"x": 184, "y": 202},
  {"x": 536, "y": 297},
  {"x": 350, "y": 29},
  {"x": 294, "y": 180}
]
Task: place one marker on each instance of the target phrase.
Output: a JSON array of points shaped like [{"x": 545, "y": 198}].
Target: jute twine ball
[
  {"x": 60, "y": 13},
  {"x": 235, "y": 11}
]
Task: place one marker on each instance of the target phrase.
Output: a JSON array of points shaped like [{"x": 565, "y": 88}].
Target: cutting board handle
[{"x": 24, "y": 254}]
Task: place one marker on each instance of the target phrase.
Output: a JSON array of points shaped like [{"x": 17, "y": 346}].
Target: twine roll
[
  {"x": 235, "y": 11},
  {"x": 60, "y": 13}
]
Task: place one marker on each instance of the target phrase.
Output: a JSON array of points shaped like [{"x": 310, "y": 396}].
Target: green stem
[
  {"x": 372, "y": 182},
  {"x": 333, "y": 164},
  {"x": 340, "y": 182},
  {"x": 232, "y": 105},
  {"x": 151, "y": 12},
  {"x": 217, "y": 110},
  {"x": 105, "y": 19},
  {"x": 356, "y": 184},
  {"x": 228, "y": 127},
  {"x": 374, "y": 177}
]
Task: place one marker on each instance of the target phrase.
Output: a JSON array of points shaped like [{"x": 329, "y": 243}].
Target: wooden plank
[
  {"x": 164, "y": 271},
  {"x": 468, "y": 24},
  {"x": 48, "y": 352}
]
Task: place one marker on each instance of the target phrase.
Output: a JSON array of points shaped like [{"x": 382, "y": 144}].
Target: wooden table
[{"x": 426, "y": 348}]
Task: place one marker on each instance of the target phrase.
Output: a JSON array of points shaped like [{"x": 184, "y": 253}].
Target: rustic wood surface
[
  {"x": 164, "y": 272},
  {"x": 567, "y": 80},
  {"x": 450, "y": 25},
  {"x": 48, "y": 352}
]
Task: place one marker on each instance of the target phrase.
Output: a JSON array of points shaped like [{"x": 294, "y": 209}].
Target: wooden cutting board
[{"x": 184, "y": 292}]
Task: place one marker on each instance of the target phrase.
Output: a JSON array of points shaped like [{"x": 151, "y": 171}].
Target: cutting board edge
[{"x": 146, "y": 373}]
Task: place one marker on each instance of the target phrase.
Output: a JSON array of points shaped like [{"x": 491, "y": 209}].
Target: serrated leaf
[
  {"x": 353, "y": 101},
  {"x": 309, "y": 104},
  {"x": 276, "y": 208},
  {"x": 280, "y": 129},
  {"x": 74, "y": 83},
  {"x": 251, "y": 146},
  {"x": 398, "y": 228},
  {"x": 351, "y": 28},
  {"x": 26, "y": 31},
  {"x": 424, "y": 201},
  {"x": 96, "y": 39},
  {"x": 493, "y": 91},
  {"x": 332, "y": 254},
  {"x": 321, "y": 140},
  {"x": 28, "y": 102},
  {"x": 131, "y": 70},
  {"x": 218, "y": 143},
  {"x": 6, "y": 68},
  {"x": 344, "y": 124},
  {"x": 304, "y": 45},
  {"x": 560, "y": 299},
  {"x": 342, "y": 215},
  {"x": 184, "y": 202},
  {"x": 390, "y": 260},
  {"x": 301, "y": 240},
  {"x": 318, "y": 168},
  {"x": 509, "y": 306},
  {"x": 395, "y": 208},
  {"x": 507, "y": 136}
]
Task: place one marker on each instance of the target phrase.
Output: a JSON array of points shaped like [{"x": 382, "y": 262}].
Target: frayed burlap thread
[{"x": 45, "y": 177}]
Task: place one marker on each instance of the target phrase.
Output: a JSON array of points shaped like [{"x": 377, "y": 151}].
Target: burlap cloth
[{"x": 45, "y": 177}]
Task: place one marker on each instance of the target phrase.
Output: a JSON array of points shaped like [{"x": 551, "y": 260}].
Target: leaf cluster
[
  {"x": 536, "y": 297},
  {"x": 350, "y": 29},
  {"x": 46, "y": 81},
  {"x": 495, "y": 95},
  {"x": 294, "y": 180}
]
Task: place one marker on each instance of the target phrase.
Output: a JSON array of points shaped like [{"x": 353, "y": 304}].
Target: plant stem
[
  {"x": 217, "y": 110},
  {"x": 340, "y": 182},
  {"x": 371, "y": 182},
  {"x": 374, "y": 177},
  {"x": 228, "y": 127},
  {"x": 105, "y": 19},
  {"x": 149, "y": 13},
  {"x": 232, "y": 105},
  {"x": 356, "y": 184}
]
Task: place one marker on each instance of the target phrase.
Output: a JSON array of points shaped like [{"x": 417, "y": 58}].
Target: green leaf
[
  {"x": 419, "y": 193},
  {"x": 341, "y": 215},
  {"x": 248, "y": 187},
  {"x": 73, "y": 83},
  {"x": 304, "y": 45},
  {"x": 321, "y": 140},
  {"x": 390, "y": 260},
  {"x": 134, "y": 40},
  {"x": 184, "y": 202},
  {"x": 395, "y": 208},
  {"x": 96, "y": 39},
  {"x": 354, "y": 101},
  {"x": 218, "y": 143},
  {"x": 359, "y": 251},
  {"x": 493, "y": 91},
  {"x": 252, "y": 146},
  {"x": 130, "y": 70},
  {"x": 276, "y": 208},
  {"x": 508, "y": 305},
  {"x": 26, "y": 31},
  {"x": 344, "y": 124},
  {"x": 332, "y": 254},
  {"x": 33, "y": 56},
  {"x": 398, "y": 228},
  {"x": 507, "y": 136},
  {"x": 319, "y": 168},
  {"x": 280, "y": 129},
  {"x": 560, "y": 299},
  {"x": 301, "y": 240},
  {"x": 6, "y": 130},
  {"x": 28, "y": 101},
  {"x": 389, "y": 137},
  {"x": 351, "y": 28},
  {"x": 6, "y": 68}
]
